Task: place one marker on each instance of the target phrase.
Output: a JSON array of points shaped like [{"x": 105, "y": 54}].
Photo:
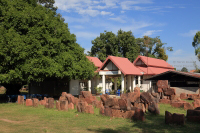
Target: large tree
[
  {"x": 184, "y": 69},
  {"x": 153, "y": 47},
  {"x": 123, "y": 45},
  {"x": 36, "y": 44},
  {"x": 196, "y": 44}
]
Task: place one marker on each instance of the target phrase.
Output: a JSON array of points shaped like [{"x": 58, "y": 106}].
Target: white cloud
[
  {"x": 191, "y": 33},
  {"x": 122, "y": 11},
  {"x": 177, "y": 52},
  {"x": 150, "y": 32},
  {"x": 78, "y": 20},
  {"x": 90, "y": 12},
  {"x": 105, "y": 13},
  {"x": 127, "y": 5},
  {"x": 77, "y": 26},
  {"x": 119, "y": 19},
  {"x": 85, "y": 35}
]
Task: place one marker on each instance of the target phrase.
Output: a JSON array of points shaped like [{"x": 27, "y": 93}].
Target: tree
[
  {"x": 184, "y": 69},
  {"x": 36, "y": 44},
  {"x": 48, "y": 4},
  {"x": 123, "y": 45},
  {"x": 153, "y": 47},
  {"x": 196, "y": 44}
]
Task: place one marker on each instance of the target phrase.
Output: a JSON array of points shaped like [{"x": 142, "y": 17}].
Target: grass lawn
[{"x": 19, "y": 118}]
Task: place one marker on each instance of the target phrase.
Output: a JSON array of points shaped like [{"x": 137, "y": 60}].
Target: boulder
[
  {"x": 191, "y": 112},
  {"x": 183, "y": 96},
  {"x": 146, "y": 97},
  {"x": 90, "y": 99},
  {"x": 103, "y": 99},
  {"x": 177, "y": 104},
  {"x": 42, "y": 102},
  {"x": 188, "y": 106},
  {"x": 138, "y": 115},
  {"x": 164, "y": 101},
  {"x": 153, "y": 108},
  {"x": 81, "y": 107},
  {"x": 102, "y": 110},
  {"x": 170, "y": 91},
  {"x": 193, "y": 118},
  {"x": 62, "y": 98},
  {"x": 162, "y": 83},
  {"x": 108, "y": 112},
  {"x": 86, "y": 94},
  {"x": 70, "y": 98},
  {"x": 168, "y": 117},
  {"x": 117, "y": 113},
  {"x": 122, "y": 104},
  {"x": 71, "y": 106},
  {"x": 64, "y": 105},
  {"x": 35, "y": 102},
  {"x": 57, "y": 105},
  {"x": 128, "y": 114},
  {"x": 29, "y": 102},
  {"x": 133, "y": 97},
  {"x": 193, "y": 96},
  {"x": 64, "y": 94},
  {"x": 160, "y": 90},
  {"x": 109, "y": 102},
  {"x": 51, "y": 102},
  {"x": 89, "y": 109},
  {"x": 97, "y": 104},
  {"x": 20, "y": 99},
  {"x": 137, "y": 90},
  {"x": 178, "y": 119},
  {"x": 196, "y": 103},
  {"x": 124, "y": 96}
]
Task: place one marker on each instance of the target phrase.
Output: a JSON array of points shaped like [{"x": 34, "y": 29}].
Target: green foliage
[
  {"x": 122, "y": 45},
  {"x": 184, "y": 69},
  {"x": 196, "y": 44},
  {"x": 98, "y": 89},
  {"x": 36, "y": 44},
  {"x": 153, "y": 47}
]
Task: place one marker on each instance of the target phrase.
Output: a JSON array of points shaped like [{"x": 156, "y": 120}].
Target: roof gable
[
  {"x": 123, "y": 64},
  {"x": 153, "y": 62}
]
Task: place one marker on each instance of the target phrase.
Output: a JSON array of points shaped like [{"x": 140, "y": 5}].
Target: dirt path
[{"x": 10, "y": 121}]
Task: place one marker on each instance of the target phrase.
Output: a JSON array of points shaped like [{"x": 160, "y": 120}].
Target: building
[{"x": 131, "y": 75}]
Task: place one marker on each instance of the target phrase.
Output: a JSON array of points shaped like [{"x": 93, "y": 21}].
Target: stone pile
[
  {"x": 189, "y": 96},
  {"x": 193, "y": 115}
]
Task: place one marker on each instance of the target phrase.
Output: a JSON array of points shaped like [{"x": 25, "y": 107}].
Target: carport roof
[
  {"x": 95, "y": 61},
  {"x": 176, "y": 76}
]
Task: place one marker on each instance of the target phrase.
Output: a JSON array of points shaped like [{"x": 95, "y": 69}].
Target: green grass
[
  {"x": 189, "y": 101},
  {"x": 19, "y": 118}
]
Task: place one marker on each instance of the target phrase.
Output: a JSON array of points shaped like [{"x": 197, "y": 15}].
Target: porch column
[
  {"x": 139, "y": 81},
  {"x": 103, "y": 84},
  {"x": 149, "y": 84},
  {"x": 129, "y": 82},
  {"x": 122, "y": 82},
  {"x": 89, "y": 85},
  {"x": 125, "y": 82},
  {"x": 133, "y": 83},
  {"x": 115, "y": 80}
]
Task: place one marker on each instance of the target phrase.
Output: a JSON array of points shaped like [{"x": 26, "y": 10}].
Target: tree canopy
[
  {"x": 124, "y": 44},
  {"x": 184, "y": 69},
  {"x": 153, "y": 47},
  {"x": 196, "y": 44},
  {"x": 37, "y": 44}
]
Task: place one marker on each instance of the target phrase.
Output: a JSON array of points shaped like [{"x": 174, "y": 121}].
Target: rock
[
  {"x": 138, "y": 115},
  {"x": 103, "y": 99},
  {"x": 51, "y": 102},
  {"x": 122, "y": 104},
  {"x": 64, "y": 105},
  {"x": 109, "y": 102},
  {"x": 188, "y": 106},
  {"x": 89, "y": 109},
  {"x": 153, "y": 108},
  {"x": 42, "y": 102},
  {"x": 133, "y": 97},
  {"x": 108, "y": 112},
  {"x": 137, "y": 90},
  {"x": 117, "y": 113},
  {"x": 160, "y": 90},
  {"x": 81, "y": 107},
  {"x": 162, "y": 83},
  {"x": 191, "y": 112},
  {"x": 124, "y": 96},
  {"x": 62, "y": 98},
  {"x": 170, "y": 91},
  {"x": 128, "y": 114},
  {"x": 20, "y": 99},
  {"x": 178, "y": 104},
  {"x": 76, "y": 100},
  {"x": 183, "y": 96},
  {"x": 168, "y": 117},
  {"x": 178, "y": 119},
  {"x": 196, "y": 103},
  {"x": 164, "y": 101},
  {"x": 193, "y": 118},
  {"x": 70, "y": 98},
  {"x": 64, "y": 94},
  {"x": 90, "y": 99},
  {"x": 146, "y": 97},
  {"x": 86, "y": 94},
  {"x": 71, "y": 106},
  {"x": 97, "y": 104},
  {"x": 29, "y": 102},
  {"x": 58, "y": 105},
  {"x": 102, "y": 110},
  {"x": 35, "y": 102}
]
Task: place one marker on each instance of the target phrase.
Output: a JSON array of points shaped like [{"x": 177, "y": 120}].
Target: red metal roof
[
  {"x": 153, "y": 62},
  {"x": 95, "y": 61},
  {"x": 153, "y": 70},
  {"x": 124, "y": 65}
]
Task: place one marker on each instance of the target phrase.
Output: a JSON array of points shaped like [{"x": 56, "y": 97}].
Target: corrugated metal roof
[{"x": 123, "y": 64}]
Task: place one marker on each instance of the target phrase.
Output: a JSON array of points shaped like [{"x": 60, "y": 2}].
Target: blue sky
[{"x": 175, "y": 21}]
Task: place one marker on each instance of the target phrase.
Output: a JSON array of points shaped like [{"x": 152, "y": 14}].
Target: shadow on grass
[{"x": 152, "y": 124}]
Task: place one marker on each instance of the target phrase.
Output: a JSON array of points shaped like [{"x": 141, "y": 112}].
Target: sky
[{"x": 174, "y": 21}]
